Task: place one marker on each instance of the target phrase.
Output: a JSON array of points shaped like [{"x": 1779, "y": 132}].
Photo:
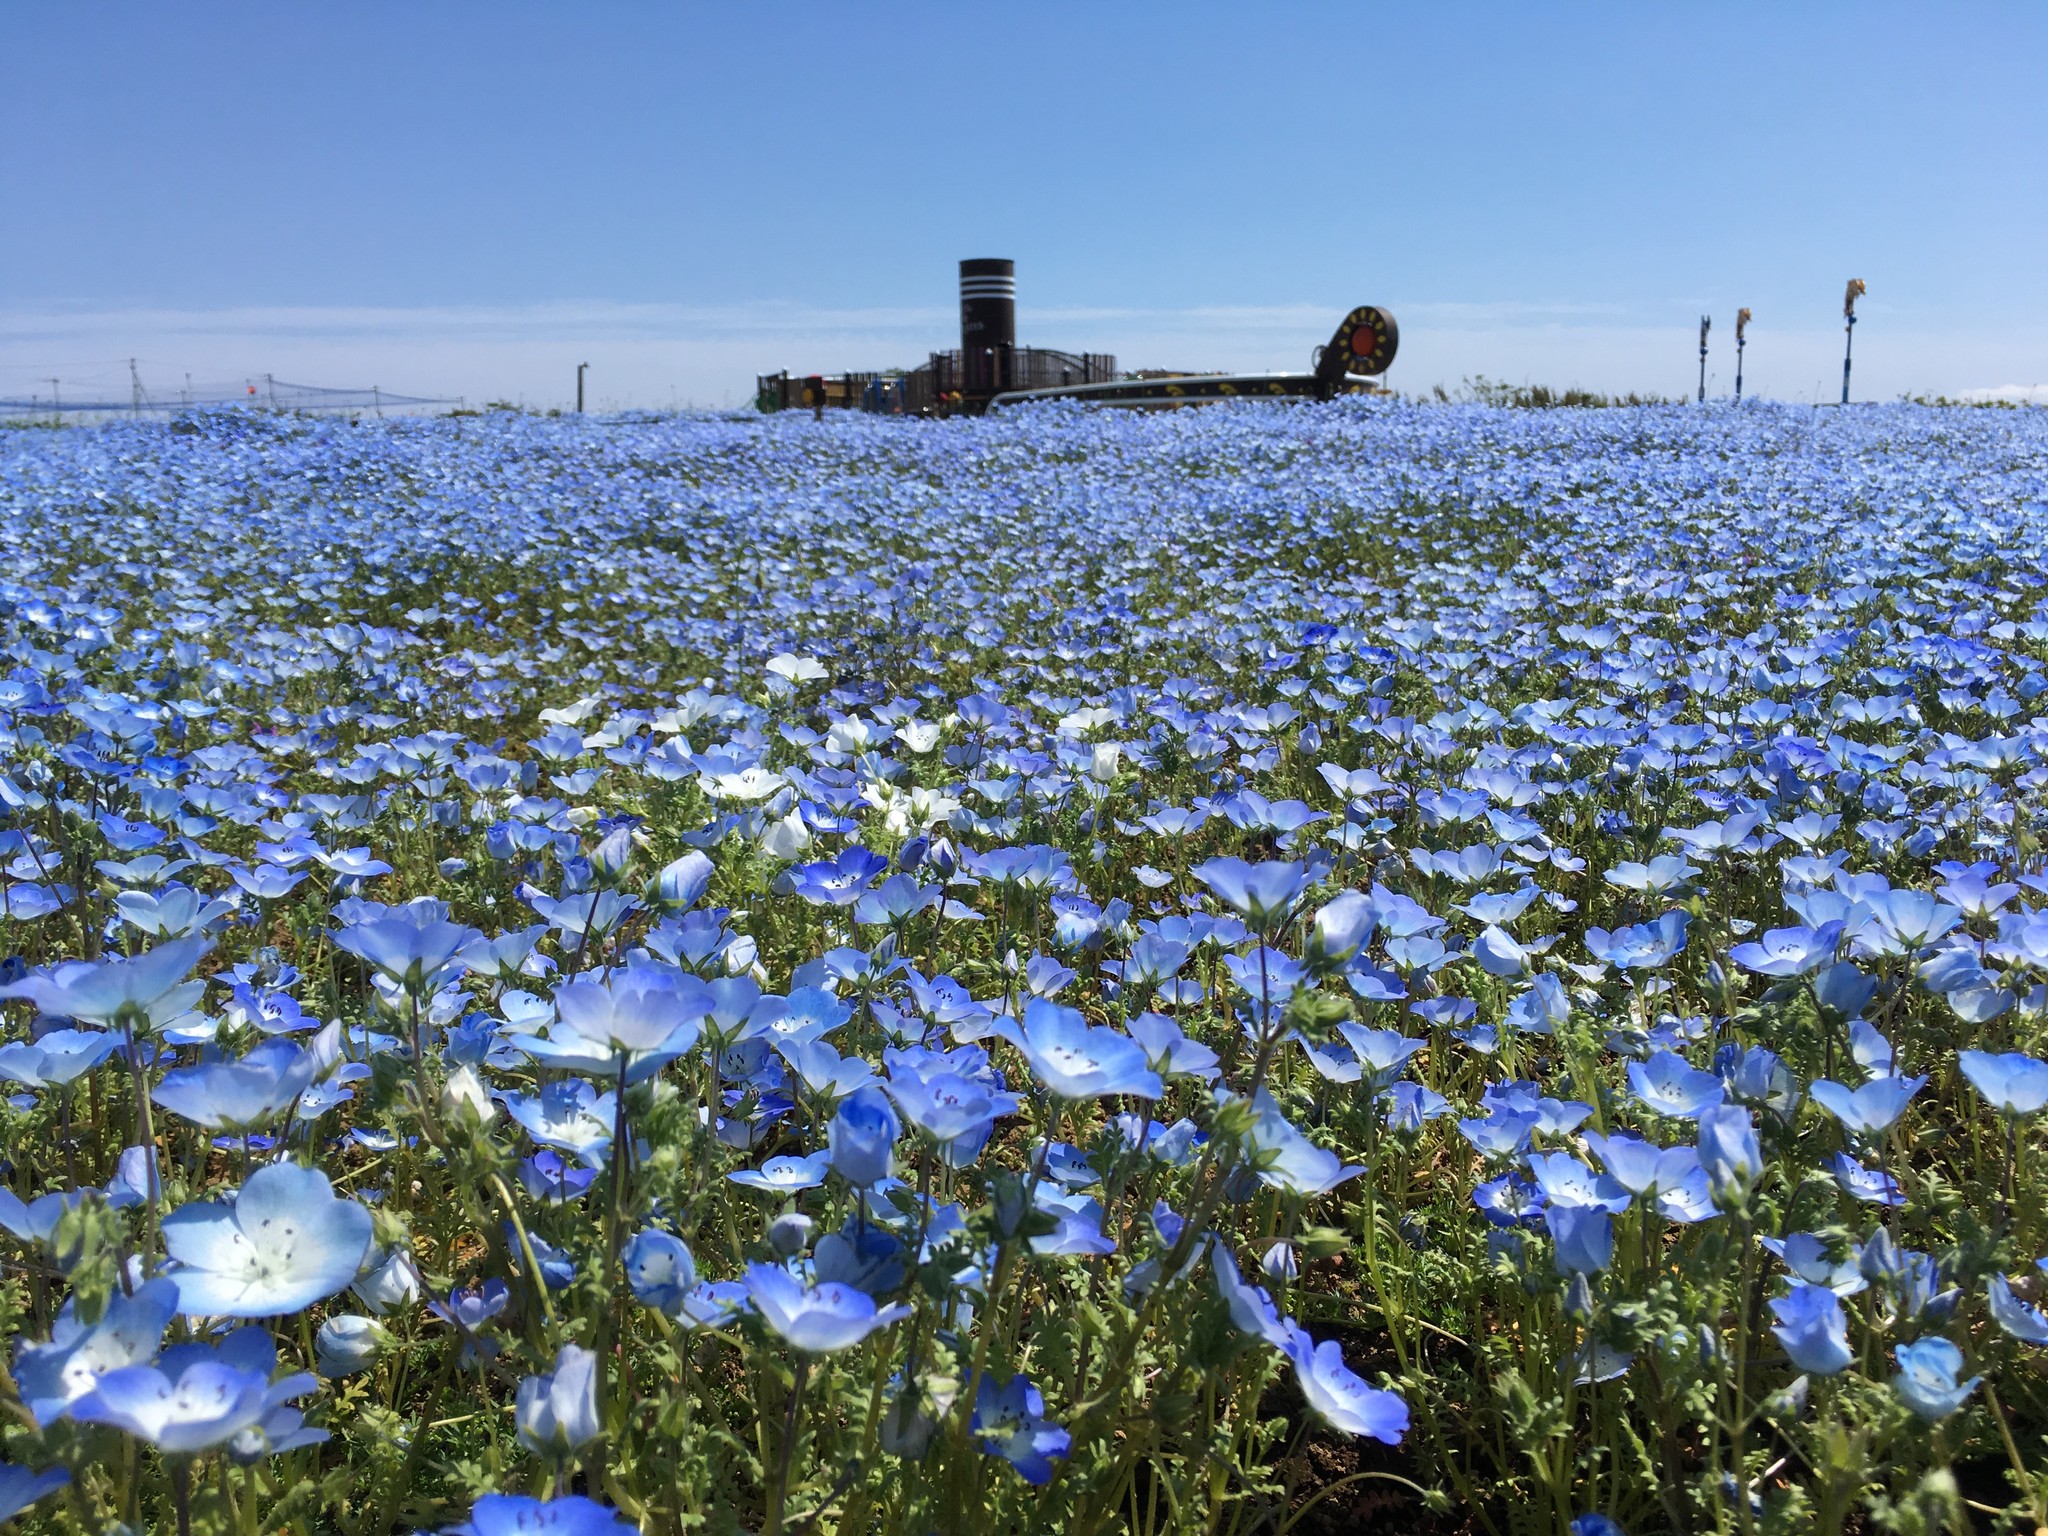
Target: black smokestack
[{"x": 988, "y": 322}]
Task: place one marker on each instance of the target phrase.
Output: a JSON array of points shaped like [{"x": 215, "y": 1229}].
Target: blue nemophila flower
[
  {"x": 1596, "y": 1525},
  {"x": 1410, "y": 1106},
  {"x": 515, "y": 1514},
  {"x": 1668, "y": 1084},
  {"x": 1341, "y": 927},
  {"x": 1541, "y": 1007},
  {"x": 19, "y": 1487},
  {"x": 1554, "y": 1117},
  {"x": 636, "y": 1011},
  {"x": 944, "y": 1105},
  {"x": 1509, "y": 1201},
  {"x": 471, "y": 1311},
  {"x": 570, "y": 1115},
  {"x": 1499, "y": 954},
  {"x": 862, "y": 1137},
  {"x": 1382, "y": 1053},
  {"x": 1873, "y": 1186},
  {"x": 1582, "y": 1238},
  {"x": 1642, "y": 1167},
  {"x": 1010, "y": 1422},
  {"x": 555, "y": 1414},
  {"x": 1730, "y": 1153},
  {"x": 1813, "y": 1328},
  {"x": 1905, "y": 922},
  {"x": 2026, "y": 1323},
  {"x": 865, "y": 1254},
  {"x": 151, "y": 988},
  {"x": 1284, "y": 1158},
  {"x": 242, "y": 1095},
  {"x": 2013, "y": 1084},
  {"x": 1660, "y": 876},
  {"x": 283, "y": 1243},
  {"x": 251, "y": 1351},
  {"x": 1643, "y": 947},
  {"x": 1806, "y": 1255},
  {"x": 1870, "y": 1110},
  {"x": 838, "y": 882},
  {"x": 1789, "y": 951},
  {"x": 207, "y": 1404},
  {"x": 1926, "y": 1380},
  {"x": 416, "y": 948},
  {"x": 1077, "y": 1060},
  {"x": 265, "y": 882},
  {"x": 1503, "y": 1132},
  {"x": 1169, "y": 1051},
  {"x": 1264, "y": 895},
  {"x": 1759, "y": 1078},
  {"x": 660, "y": 1270},
  {"x": 1843, "y": 991},
  {"x": 54, "y": 1375},
  {"x": 823, "y": 1070},
  {"x": 1252, "y": 1311},
  {"x": 1341, "y": 1397},
  {"x": 820, "y": 1319},
  {"x": 58, "y": 1057},
  {"x": 683, "y": 882},
  {"x": 1566, "y": 1181},
  {"x": 895, "y": 901},
  {"x": 1908, "y": 1281}
]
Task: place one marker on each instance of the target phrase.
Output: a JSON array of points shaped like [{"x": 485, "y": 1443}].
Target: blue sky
[{"x": 471, "y": 198}]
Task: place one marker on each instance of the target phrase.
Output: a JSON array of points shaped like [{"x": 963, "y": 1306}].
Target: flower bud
[
  {"x": 349, "y": 1343},
  {"x": 464, "y": 1098}
]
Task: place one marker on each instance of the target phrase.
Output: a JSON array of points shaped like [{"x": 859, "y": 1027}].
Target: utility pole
[
  {"x": 1706, "y": 324},
  {"x": 579, "y": 387},
  {"x": 56, "y": 405},
  {"x": 1741, "y": 325},
  {"x": 1857, "y": 288},
  {"x": 134, "y": 389}
]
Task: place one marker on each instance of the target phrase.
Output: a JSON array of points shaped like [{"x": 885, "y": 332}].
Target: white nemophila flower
[
  {"x": 284, "y": 1243},
  {"x": 464, "y": 1093}
]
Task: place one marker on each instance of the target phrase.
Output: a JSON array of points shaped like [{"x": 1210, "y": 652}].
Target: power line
[{"x": 276, "y": 393}]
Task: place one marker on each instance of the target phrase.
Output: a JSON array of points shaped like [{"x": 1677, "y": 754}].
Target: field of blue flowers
[{"x": 1373, "y": 967}]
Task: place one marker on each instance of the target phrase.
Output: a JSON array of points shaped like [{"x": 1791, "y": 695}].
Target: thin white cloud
[{"x": 662, "y": 354}]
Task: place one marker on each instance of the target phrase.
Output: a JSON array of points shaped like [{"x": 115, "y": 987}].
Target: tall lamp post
[
  {"x": 1856, "y": 290},
  {"x": 1706, "y": 324},
  {"x": 579, "y": 387},
  {"x": 1741, "y": 325}
]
